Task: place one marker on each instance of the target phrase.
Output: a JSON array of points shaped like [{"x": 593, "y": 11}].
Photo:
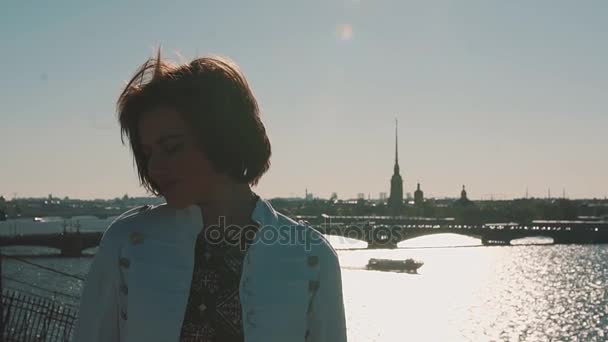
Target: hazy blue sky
[{"x": 498, "y": 95}]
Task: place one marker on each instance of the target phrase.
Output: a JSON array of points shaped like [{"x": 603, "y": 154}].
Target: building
[
  {"x": 463, "y": 194},
  {"x": 383, "y": 196},
  {"x": 308, "y": 196},
  {"x": 463, "y": 201},
  {"x": 418, "y": 196},
  {"x": 395, "y": 200}
]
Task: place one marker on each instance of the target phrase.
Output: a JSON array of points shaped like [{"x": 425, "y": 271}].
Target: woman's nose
[{"x": 157, "y": 165}]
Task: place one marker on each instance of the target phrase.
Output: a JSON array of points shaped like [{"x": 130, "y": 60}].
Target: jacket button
[
  {"x": 313, "y": 260},
  {"x": 246, "y": 287},
  {"x": 251, "y": 317},
  {"x": 123, "y": 315},
  {"x": 124, "y": 262},
  {"x": 136, "y": 238},
  {"x": 124, "y": 289}
]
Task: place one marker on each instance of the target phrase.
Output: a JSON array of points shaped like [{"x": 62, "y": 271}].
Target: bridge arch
[
  {"x": 440, "y": 239},
  {"x": 408, "y": 235},
  {"x": 534, "y": 240},
  {"x": 343, "y": 242},
  {"x": 90, "y": 250},
  {"x": 36, "y": 247}
]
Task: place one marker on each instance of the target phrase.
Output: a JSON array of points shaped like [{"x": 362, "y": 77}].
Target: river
[{"x": 464, "y": 292}]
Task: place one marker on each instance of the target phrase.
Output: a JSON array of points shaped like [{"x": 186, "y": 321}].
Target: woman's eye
[{"x": 174, "y": 148}]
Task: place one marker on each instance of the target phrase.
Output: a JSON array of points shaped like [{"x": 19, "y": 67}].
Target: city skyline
[
  {"x": 502, "y": 97},
  {"x": 382, "y": 196}
]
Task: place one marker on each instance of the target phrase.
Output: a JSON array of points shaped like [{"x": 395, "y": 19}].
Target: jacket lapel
[
  {"x": 275, "y": 280},
  {"x": 160, "y": 275}
]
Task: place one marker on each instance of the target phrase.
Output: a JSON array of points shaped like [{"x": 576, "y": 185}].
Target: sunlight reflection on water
[
  {"x": 535, "y": 293},
  {"x": 463, "y": 293}
]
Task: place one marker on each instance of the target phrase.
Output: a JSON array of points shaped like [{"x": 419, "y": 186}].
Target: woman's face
[{"x": 176, "y": 163}]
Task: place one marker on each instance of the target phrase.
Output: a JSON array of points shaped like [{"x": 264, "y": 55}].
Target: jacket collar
[{"x": 263, "y": 214}]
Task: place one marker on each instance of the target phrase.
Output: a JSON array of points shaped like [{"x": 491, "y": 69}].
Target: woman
[{"x": 215, "y": 262}]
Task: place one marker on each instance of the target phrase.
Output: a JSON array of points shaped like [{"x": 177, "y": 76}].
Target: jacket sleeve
[
  {"x": 98, "y": 317},
  {"x": 328, "y": 323}
]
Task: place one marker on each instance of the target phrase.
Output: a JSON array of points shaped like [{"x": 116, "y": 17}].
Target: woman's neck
[{"x": 234, "y": 204}]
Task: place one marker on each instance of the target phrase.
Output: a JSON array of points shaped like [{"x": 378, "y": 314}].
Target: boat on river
[{"x": 408, "y": 265}]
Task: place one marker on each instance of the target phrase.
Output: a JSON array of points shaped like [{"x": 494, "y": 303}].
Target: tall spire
[
  {"x": 395, "y": 200},
  {"x": 463, "y": 194},
  {"x": 396, "y": 143},
  {"x": 396, "y": 167}
]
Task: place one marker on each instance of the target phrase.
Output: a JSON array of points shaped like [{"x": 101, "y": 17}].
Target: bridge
[
  {"x": 378, "y": 232},
  {"x": 388, "y": 232},
  {"x": 69, "y": 243}
]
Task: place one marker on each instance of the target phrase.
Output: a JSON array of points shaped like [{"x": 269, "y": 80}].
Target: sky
[{"x": 502, "y": 96}]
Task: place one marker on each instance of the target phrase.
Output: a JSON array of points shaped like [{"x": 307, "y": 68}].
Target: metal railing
[{"x": 32, "y": 318}]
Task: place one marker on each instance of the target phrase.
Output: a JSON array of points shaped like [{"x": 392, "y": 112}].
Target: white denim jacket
[{"x": 138, "y": 284}]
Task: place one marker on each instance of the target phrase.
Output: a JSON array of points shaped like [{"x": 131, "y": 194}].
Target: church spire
[
  {"x": 418, "y": 195},
  {"x": 396, "y": 143},
  {"x": 396, "y": 148},
  {"x": 395, "y": 200}
]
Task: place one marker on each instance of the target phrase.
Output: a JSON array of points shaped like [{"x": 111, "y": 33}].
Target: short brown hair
[{"x": 214, "y": 98}]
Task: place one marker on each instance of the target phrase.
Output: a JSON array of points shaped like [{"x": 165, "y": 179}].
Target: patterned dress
[{"x": 213, "y": 312}]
